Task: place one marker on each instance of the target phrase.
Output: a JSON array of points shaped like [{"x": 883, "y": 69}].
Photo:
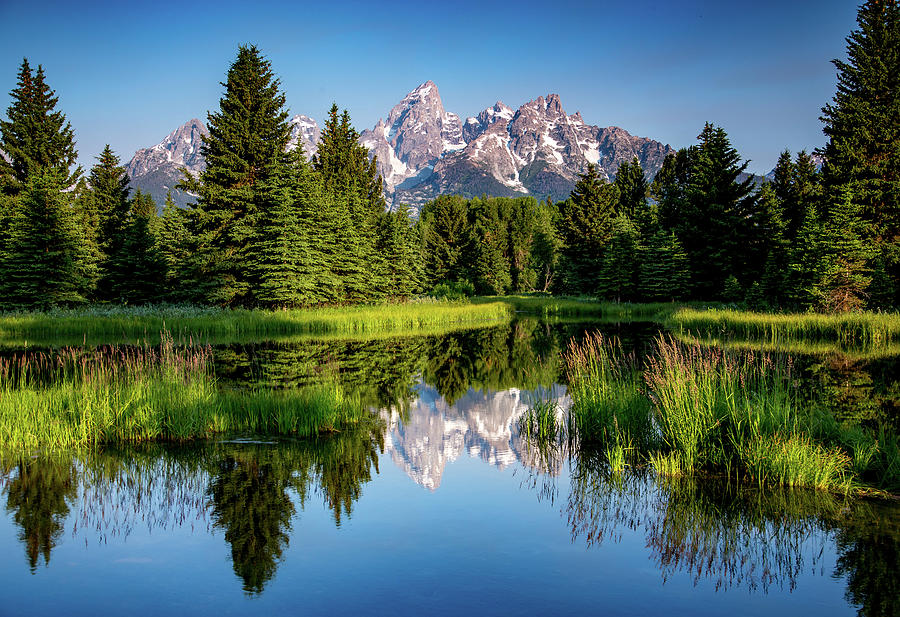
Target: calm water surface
[{"x": 440, "y": 507}]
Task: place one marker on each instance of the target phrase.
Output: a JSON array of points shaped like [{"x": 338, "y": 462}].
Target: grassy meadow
[{"x": 133, "y": 324}]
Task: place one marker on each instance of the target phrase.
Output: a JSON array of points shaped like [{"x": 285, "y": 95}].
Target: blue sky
[{"x": 128, "y": 73}]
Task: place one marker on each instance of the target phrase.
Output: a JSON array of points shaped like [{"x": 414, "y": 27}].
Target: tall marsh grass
[
  {"x": 703, "y": 410},
  {"x": 74, "y": 399},
  {"x": 608, "y": 404}
]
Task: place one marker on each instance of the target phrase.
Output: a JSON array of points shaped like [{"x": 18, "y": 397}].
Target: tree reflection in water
[
  {"x": 248, "y": 500},
  {"x": 38, "y": 495},
  {"x": 250, "y": 491},
  {"x": 739, "y": 535}
]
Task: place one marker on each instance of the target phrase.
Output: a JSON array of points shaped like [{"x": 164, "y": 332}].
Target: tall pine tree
[
  {"x": 245, "y": 147},
  {"x": 42, "y": 265},
  {"x": 36, "y": 137},
  {"x": 862, "y": 124},
  {"x": 585, "y": 226},
  {"x": 109, "y": 194}
]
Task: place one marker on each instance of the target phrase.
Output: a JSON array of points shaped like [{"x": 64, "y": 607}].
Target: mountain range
[{"x": 424, "y": 151}]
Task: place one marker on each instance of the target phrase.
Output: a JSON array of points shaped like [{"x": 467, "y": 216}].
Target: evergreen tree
[
  {"x": 545, "y": 246},
  {"x": 862, "y": 124},
  {"x": 712, "y": 212},
  {"x": 42, "y": 266},
  {"x": 632, "y": 189},
  {"x": 772, "y": 290},
  {"x": 246, "y": 144},
  {"x": 670, "y": 188},
  {"x": 109, "y": 194},
  {"x": 521, "y": 215},
  {"x": 490, "y": 265},
  {"x": 585, "y": 226},
  {"x": 399, "y": 243},
  {"x": 806, "y": 266},
  {"x": 351, "y": 183},
  {"x": 10, "y": 209},
  {"x": 664, "y": 267},
  {"x": 444, "y": 228},
  {"x": 863, "y": 121},
  {"x": 846, "y": 276},
  {"x": 142, "y": 266},
  {"x": 618, "y": 277},
  {"x": 36, "y": 137},
  {"x": 284, "y": 250},
  {"x": 171, "y": 245}
]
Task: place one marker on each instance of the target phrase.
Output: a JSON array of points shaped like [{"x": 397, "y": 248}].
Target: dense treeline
[
  {"x": 825, "y": 239},
  {"x": 271, "y": 228}
]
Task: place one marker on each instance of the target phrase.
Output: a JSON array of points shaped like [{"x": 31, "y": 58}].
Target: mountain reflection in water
[{"x": 432, "y": 432}]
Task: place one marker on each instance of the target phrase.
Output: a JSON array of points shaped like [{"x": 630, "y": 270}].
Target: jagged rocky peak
[
  {"x": 418, "y": 130},
  {"x": 477, "y": 125},
  {"x": 304, "y": 132},
  {"x": 537, "y": 150},
  {"x": 424, "y": 151},
  {"x": 180, "y": 148}
]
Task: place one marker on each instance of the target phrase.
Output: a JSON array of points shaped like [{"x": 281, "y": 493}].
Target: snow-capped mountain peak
[{"x": 423, "y": 150}]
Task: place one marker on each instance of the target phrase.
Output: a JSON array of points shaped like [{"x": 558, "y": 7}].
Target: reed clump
[
  {"x": 71, "y": 399},
  {"x": 609, "y": 407},
  {"x": 705, "y": 410}
]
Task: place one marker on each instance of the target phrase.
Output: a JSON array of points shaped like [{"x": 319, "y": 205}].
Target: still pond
[{"x": 440, "y": 505}]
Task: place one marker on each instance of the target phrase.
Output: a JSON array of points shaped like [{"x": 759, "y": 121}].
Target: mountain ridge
[{"x": 424, "y": 150}]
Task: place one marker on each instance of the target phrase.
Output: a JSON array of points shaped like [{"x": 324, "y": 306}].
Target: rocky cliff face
[
  {"x": 423, "y": 150},
  {"x": 305, "y": 132},
  {"x": 418, "y": 132},
  {"x": 157, "y": 169},
  {"x": 537, "y": 150}
]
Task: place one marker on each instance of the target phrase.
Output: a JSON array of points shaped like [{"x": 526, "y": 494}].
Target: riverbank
[
  {"x": 117, "y": 324},
  {"x": 75, "y": 400},
  {"x": 860, "y": 329}
]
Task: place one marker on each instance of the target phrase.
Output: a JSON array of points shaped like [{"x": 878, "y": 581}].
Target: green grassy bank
[
  {"x": 565, "y": 306},
  {"x": 71, "y": 400},
  {"x": 131, "y": 324},
  {"x": 858, "y": 329}
]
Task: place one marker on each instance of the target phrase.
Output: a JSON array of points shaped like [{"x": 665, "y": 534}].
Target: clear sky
[{"x": 128, "y": 73}]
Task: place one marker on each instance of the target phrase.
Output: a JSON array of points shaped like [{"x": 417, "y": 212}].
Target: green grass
[
  {"x": 856, "y": 353},
  {"x": 566, "y": 306},
  {"x": 859, "y": 329},
  {"x": 75, "y": 400},
  {"x": 608, "y": 405},
  {"x": 708, "y": 411},
  {"x": 541, "y": 422},
  {"x": 132, "y": 324}
]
